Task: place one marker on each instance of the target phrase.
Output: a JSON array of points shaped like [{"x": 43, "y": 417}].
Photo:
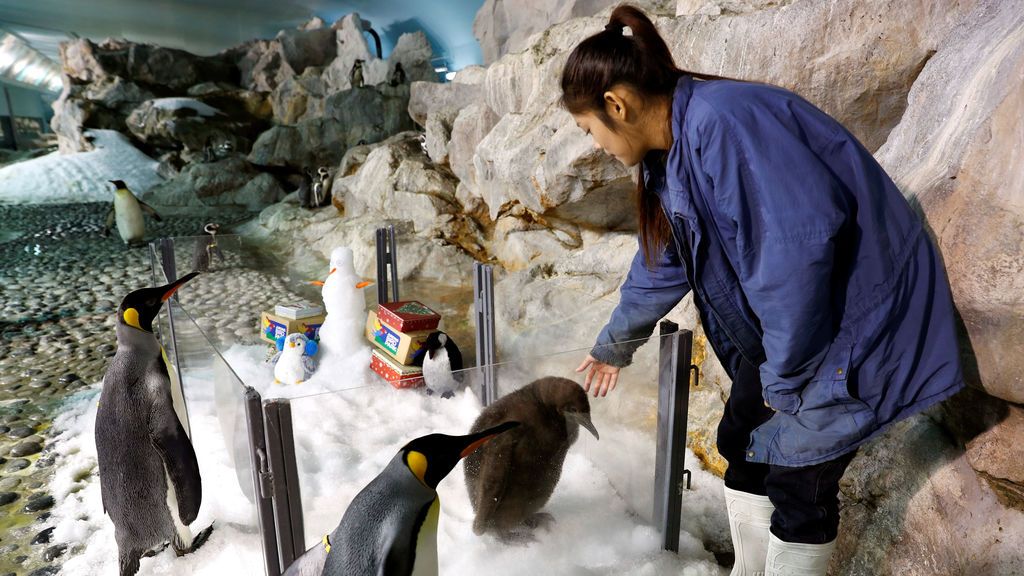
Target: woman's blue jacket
[{"x": 804, "y": 259}]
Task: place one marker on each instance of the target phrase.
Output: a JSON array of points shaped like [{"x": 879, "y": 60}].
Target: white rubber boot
[
  {"x": 750, "y": 517},
  {"x": 795, "y": 559}
]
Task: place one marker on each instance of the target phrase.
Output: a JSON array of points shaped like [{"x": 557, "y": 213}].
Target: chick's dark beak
[{"x": 583, "y": 419}]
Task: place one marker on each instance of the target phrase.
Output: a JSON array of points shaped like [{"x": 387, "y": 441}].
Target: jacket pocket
[{"x": 830, "y": 418}]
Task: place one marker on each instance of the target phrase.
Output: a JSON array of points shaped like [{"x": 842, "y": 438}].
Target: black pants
[{"x": 806, "y": 499}]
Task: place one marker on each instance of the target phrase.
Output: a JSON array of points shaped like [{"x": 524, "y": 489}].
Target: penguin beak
[
  {"x": 583, "y": 419},
  {"x": 171, "y": 288},
  {"x": 475, "y": 441},
  {"x": 364, "y": 284}
]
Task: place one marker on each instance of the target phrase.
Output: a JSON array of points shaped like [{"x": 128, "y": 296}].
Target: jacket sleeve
[
  {"x": 647, "y": 296},
  {"x": 786, "y": 210}
]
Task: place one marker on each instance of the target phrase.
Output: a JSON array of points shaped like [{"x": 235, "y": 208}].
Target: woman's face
[{"x": 622, "y": 143}]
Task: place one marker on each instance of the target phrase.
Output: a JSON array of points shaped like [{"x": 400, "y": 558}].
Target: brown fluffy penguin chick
[{"x": 511, "y": 478}]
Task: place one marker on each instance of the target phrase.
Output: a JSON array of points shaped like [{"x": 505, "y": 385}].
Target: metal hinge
[{"x": 266, "y": 487}]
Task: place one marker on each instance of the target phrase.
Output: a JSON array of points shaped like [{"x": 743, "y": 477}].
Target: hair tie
[{"x": 615, "y": 26}]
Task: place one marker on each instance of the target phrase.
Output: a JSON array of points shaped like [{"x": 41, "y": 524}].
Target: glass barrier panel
[
  {"x": 217, "y": 426},
  {"x": 591, "y": 513}
]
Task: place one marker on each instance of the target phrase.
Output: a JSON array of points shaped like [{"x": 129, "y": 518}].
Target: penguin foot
[
  {"x": 540, "y": 520},
  {"x": 517, "y": 537},
  {"x": 128, "y": 562},
  {"x": 197, "y": 542},
  {"x": 154, "y": 551}
]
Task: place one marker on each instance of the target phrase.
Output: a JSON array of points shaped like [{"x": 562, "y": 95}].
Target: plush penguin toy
[
  {"x": 293, "y": 363},
  {"x": 149, "y": 476},
  {"x": 442, "y": 365},
  {"x": 127, "y": 211},
  {"x": 390, "y": 528},
  {"x": 511, "y": 479}
]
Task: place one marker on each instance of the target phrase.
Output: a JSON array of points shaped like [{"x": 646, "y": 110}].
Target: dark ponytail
[{"x": 641, "y": 61}]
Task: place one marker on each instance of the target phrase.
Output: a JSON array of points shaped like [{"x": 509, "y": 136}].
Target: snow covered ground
[
  {"x": 343, "y": 439},
  {"x": 80, "y": 177}
]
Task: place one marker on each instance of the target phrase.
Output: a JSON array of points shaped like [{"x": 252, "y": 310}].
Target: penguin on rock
[
  {"x": 127, "y": 212},
  {"x": 442, "y": 365},
  {"x": 390, "y": 528},
  {"x": 149, "y": 475},
  {"x": 511, "y": 479}
]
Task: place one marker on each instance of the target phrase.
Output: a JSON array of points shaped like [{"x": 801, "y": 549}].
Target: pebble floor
[{"x": 60, "y": 285}]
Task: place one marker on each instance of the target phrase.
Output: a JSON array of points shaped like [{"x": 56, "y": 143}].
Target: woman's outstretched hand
[{"x": 606, "y": 376}]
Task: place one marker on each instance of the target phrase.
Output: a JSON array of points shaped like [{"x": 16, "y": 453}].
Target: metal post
[
  {"x": 14, "y": 124},
  {"x": 382, "y": 275},
  {"x": 285, "y": 487},
  {"x": 262, "y": 480},
  {"x": 168, "y": 264},
  {"x": 393, "y": 263},
  {"x": 673, "y": 402},
  {"x": 387, "y": 265},
  {"x": 483, "y": 304}
]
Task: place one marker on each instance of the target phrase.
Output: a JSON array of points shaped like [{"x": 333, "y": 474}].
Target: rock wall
[
  {"x": 277, "y": 109},
  {"x": 505, "y": 26},
  {"x": 501, "y": 174}
]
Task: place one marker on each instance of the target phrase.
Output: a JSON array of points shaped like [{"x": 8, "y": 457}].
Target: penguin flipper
[
  {"x": 308, "y": 366},
  {"x": 149, "y": 210},
  {"x": 491, "y": 481},
  {"x": 401, "y": 550},
  {"x": 178, "y": 455},
  {"x": 455, "y": 359}
]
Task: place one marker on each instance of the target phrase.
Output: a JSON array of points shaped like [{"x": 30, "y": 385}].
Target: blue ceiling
[{"x": 207, "y": 26}]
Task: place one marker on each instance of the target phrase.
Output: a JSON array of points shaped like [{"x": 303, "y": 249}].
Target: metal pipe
[
  {"x": 673, "y": 402},
  {"x": 262, "y": 481},
  {"x": 393, "y": 262}
]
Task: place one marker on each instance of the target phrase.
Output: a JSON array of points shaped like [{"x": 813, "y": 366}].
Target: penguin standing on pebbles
[
  {"x": 149, "y": 476},
  {"x": 127, "y": 211},
  {"x": 442, "y": 365},
  {"x": 206, "y": 248},
  {"x": 511, "y": 479},
  {"x": 390, "y": 528}
]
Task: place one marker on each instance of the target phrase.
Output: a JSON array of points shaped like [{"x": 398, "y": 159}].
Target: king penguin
[
  {"x": 149, "y": 476},
  {"x": 390, "y": 528},
  {"x": 127, "y": 211},
  {"x": 511, "y": 479}
]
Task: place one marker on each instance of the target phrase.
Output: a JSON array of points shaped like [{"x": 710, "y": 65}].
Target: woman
[{"x": 817, "y": 288}]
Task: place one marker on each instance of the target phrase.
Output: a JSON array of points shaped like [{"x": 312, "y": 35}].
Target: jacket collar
[
  {"x": 654, "y": 163},
  {"x": 680, "y": 102}
]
